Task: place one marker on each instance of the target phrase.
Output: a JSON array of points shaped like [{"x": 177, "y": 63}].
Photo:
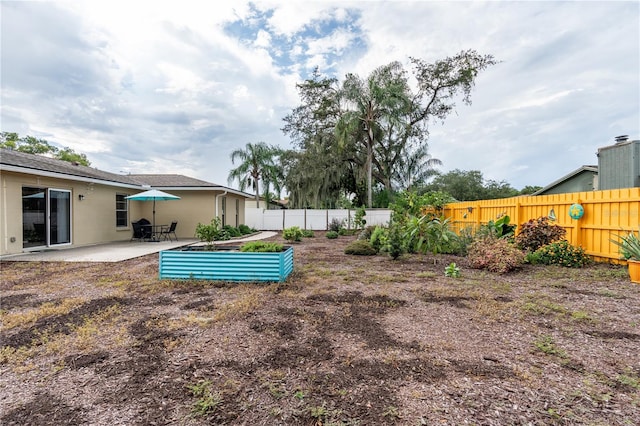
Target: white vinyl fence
[{"x": 316, "y": 220}]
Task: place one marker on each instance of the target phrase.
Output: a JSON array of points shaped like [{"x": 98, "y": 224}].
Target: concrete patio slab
[{"x": 112, "y": 252}]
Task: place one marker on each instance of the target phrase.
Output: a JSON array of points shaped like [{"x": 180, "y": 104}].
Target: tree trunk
[
  {"x": 257, "y": 193},
  {"x": 369, "y": 170}
]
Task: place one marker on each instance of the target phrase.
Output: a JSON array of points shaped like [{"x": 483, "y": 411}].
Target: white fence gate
[{"x": 316, "y": 220}]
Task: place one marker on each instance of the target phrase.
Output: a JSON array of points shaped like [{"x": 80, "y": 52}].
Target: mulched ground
[{"x": 347, "y": 340}]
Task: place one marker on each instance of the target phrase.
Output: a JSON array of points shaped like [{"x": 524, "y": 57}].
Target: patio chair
[
  {"x": 141, "y": 230},
  {"x": 166, "y": 231}
]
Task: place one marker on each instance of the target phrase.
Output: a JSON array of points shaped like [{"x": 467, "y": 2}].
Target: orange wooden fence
[{"x": 606, "y": 214}]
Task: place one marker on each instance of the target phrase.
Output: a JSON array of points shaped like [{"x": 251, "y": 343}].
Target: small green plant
[
  {"x": 360, "y": 248},
  {"x": 261, "y": 247},
  {"x": 211, "y": 232},
  {"x": 299, "y": 395},
  {"x": 452, "y": 271},
  {"x": 359, "y": 222},
  {"x": 292, "y": 234},
  {"x": 495, "y": 255},
  {"x": 207, "y": 401},
  {"x": 548, "y": 346},
  {"x": 332, "y": 235},
  {"x": 629, "y": 245},
  {"x": 560, "y": 253},
  {"x": 318, "y": 412},
  {"x": 308, "y": 233},
  {"x": 536, "y": 233}
]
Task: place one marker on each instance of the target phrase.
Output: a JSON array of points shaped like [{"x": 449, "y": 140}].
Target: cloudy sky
[{"x": 176, "y": 86}]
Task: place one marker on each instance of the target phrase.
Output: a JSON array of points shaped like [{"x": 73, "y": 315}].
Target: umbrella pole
[{"x": 153, "y": 229}]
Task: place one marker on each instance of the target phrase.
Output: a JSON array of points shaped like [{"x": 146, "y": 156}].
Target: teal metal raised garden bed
[{"x": 225, "y": 264}]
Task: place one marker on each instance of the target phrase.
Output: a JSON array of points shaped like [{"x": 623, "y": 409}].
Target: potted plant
[{"x": 630, "y": 251}]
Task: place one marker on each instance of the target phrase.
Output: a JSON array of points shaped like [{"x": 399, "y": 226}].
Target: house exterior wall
[
  {"x": 619, "y": 165},
  {"x": 93, "y": 220},
  {"x": 192, "y": 208},
  {"x": 585, "y": 181}
]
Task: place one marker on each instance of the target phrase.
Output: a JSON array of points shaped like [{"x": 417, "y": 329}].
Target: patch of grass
[
  {"x": 427, "y": 274},
  {"x": 15, "y": 357},
  {"x": 207, "y": 401},
  {"x": 391, "y": 412},
  {"x": 245, "y": 303},
  {"x": 581, "y": 316},
  {"x": 47, "y": 309},
  {"x": 546, "y": 344},
  {"x": 273, "y": 381},
  {"x": 610, "y": 293},
  {"x": 629, "y": 378},
  {"x": 540, "y": 305},
  {"x": 494, "y": 310},
  {"x": 170, "y": 344}
]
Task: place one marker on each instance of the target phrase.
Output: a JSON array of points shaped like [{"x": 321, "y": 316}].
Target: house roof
[
  {"x": 589, "y": 169},
  {"x": 16, "y": 160},
  {"x": 172, "y": 180},
  {"x": 21, "y": 162}
]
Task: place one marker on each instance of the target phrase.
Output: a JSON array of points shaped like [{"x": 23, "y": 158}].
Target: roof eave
[
  {"x": 203, "y": 188},
  {"x": 44, "y": 173}
]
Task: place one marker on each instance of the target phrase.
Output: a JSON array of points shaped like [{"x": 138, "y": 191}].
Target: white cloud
[{"x": 113, "y": 78}]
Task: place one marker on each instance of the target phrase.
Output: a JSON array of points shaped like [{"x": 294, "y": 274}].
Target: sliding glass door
[{"x": 46, "y": 217}]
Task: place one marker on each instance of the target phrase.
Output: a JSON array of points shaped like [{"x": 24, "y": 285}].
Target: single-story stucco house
[{"x": 48, "y": 203}]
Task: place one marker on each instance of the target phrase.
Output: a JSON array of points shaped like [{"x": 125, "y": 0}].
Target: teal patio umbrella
[{"x": 153, "y": 195}]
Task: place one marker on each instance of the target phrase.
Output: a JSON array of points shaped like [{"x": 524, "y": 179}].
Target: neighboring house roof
[
  {"x": 583, "y": 169},
  {"x": 21, "y": 162}
]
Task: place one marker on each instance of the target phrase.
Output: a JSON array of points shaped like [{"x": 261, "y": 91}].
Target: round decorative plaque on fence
[{"x": 576, "y": 211}]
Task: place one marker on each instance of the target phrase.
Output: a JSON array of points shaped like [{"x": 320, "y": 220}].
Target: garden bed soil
[{"x": 345, "y": 340}]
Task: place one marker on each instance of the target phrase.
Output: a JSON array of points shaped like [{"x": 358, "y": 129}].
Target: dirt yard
[{"x": 345, "y": 341}]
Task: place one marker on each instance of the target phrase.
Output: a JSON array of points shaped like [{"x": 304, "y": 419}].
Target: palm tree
[
  {"x": 416, "y": 166},
  {"x": 256, "y": 161},
  {"x": 381, "y": 98}
]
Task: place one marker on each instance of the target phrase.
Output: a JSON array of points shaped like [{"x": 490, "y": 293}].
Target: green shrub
[
  {"x": 498, "y": 229},
  {"x": 395, "y": 244},
  {"x": 261, "y": 247},
  {"x": 292, "y": 234},
  {"x": 232, "y": 231},
  {"x": 308, "y": 233},
  {"x": 537, "y": 233},
  {"x": 495, "y": 255},
  {"x": 336, "y": 224},
  {"x": 360, "y": 248},
  {"x": 365, "y": 234},
  {"x": 378, "y": 238},
  {"x": 431, "y": 234},
  {"x": 244, "y": 229},
  {"x": 560, "y": 253},
  {"x": 332, "y": 235}
]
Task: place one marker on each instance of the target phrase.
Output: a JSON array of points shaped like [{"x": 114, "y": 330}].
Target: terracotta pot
[{"x": 634, "y": 270}]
